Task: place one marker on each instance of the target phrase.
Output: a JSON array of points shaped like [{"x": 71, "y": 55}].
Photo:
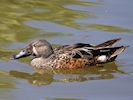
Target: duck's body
[{"x": 70, "y": 56}]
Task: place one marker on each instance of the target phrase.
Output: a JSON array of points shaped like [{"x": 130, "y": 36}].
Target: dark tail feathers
[
  {"x": 110, "y": 53},
  {"x": 108, "y": 43}
]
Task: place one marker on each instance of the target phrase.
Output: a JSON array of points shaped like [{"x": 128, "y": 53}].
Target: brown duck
[{"x": 78, "y": 55}]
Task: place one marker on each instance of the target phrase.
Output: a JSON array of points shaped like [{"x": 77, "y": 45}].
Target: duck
[{"x": 74, "y": 56}]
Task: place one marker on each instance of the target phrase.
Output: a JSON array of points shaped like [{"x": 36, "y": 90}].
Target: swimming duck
[{"x": 78, "y": 55}]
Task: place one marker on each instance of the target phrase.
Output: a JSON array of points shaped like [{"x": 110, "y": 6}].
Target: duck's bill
[{"x": 21, "y": 54}]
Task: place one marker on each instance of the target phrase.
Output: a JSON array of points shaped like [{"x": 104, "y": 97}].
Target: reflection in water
[
  {"x": 108, "y": 28},
  {"x": 6, "y": 54},
  {"x": 79, "y": 75},
  {"x": 17, "y": 12},
  {"x": 13, "y": 29},
  {"x": 5, "y": 80},
  {"x": 35, "y": 78}
]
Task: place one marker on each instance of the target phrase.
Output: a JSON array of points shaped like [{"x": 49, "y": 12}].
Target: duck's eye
[{"x": 28, "y": 52}]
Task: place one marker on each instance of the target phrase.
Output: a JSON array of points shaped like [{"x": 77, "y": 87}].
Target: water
[{"x": 65, "y": 22}]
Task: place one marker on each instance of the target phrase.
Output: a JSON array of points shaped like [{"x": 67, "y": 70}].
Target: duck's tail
[
  {"x": 118, "y": 51},
  {"x": 108, "y": 54},
  {"x": 108, "y": 43}
]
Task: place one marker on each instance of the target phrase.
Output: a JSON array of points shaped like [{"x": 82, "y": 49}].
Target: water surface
[{"x": 65, "y": 22}]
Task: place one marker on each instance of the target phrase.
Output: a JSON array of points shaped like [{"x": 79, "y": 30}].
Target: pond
[{"x": 65, "y": 22}]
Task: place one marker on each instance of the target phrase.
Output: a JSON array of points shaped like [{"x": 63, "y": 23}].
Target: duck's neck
[{"x": 48, "y": 54}]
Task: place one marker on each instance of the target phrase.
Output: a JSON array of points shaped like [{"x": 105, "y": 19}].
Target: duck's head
[{"x": 37, "y": 48}]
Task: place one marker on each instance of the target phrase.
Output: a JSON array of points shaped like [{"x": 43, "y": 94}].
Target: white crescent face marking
[
  {"x": 102, "y": 58},
  {"x": 34, "y": 50}
]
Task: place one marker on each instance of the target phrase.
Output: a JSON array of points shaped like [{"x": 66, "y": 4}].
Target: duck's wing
[
  {"x": 72, "y": 56},
  {"x": 78, "y": 50},
  {"x": 108, "y": 43},
  {"x": 87, "y": 51}
]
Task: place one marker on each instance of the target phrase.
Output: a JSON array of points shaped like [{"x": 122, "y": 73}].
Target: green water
[{"x": 65, "y": 22}]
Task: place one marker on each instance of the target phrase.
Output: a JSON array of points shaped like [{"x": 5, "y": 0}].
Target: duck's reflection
[{"x": 79, "y": 75}]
